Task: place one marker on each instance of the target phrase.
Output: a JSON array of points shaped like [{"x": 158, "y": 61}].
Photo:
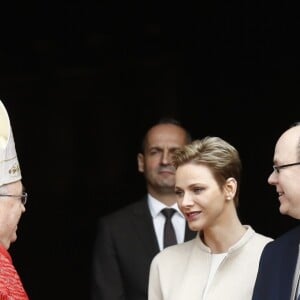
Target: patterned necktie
[{"x": 169, "y": 232}]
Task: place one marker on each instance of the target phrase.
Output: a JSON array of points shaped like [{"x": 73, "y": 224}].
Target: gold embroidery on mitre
[{"x": 14, "y": 170}]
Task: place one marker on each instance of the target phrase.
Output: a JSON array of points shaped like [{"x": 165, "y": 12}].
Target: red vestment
[{"x": 11, "y": 287}]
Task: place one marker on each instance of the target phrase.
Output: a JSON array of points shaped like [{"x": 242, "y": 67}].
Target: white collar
[{"x": 156, "y": 206}]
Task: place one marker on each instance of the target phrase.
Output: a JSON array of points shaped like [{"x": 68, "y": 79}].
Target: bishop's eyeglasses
[
  {"x": 23, "y": 197},
  {"x": 278, "y": 168}
]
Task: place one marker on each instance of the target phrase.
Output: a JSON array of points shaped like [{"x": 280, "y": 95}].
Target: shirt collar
[{"x": 156, "y": 206}]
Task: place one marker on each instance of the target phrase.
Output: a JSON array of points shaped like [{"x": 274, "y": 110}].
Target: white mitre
[{"x": 9, "y": 165}]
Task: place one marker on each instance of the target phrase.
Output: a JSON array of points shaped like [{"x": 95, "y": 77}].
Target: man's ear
[{"x": 141, "y": 163}]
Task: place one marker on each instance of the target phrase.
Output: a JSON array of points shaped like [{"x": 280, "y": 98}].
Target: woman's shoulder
[{"x": 175, "y": 252}]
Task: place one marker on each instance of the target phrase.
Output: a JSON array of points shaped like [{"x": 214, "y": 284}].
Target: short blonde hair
[{"x": 215, "y": 153}]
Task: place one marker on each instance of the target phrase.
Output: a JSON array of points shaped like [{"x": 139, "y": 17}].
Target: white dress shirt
[
  {"x": 296, "y": 284},
  {"x": 158, "y": 218}
]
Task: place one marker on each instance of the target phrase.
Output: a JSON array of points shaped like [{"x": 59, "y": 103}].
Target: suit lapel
[
  {"x": 288, "y": 264},
  {"x": 144, "y": 227}
]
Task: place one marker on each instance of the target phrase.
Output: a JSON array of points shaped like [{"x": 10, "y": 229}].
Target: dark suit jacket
[
  {"x": 124, "y": 248},
  {"x": 277, "y": 266}
]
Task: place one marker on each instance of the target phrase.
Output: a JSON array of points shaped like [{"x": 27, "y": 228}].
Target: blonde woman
[{"x": 222, "y": 261}]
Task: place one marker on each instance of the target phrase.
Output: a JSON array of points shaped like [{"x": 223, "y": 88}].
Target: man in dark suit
[
  {"x": 279, "y": 268},
  {"x": 129, "y": 238}
]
